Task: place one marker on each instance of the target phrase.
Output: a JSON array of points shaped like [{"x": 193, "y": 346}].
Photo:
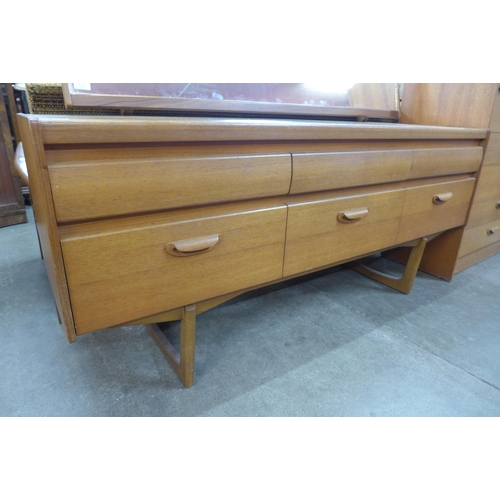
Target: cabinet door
[{"x": 333, "y": 230}]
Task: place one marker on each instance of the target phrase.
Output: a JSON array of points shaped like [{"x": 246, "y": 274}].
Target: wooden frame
[{"x": 366, "y": 101}]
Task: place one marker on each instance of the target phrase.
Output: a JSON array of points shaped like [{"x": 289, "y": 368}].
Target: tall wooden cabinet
[
  {"x": 463, "y": 105},
  {"x": 481, "y": 237},
  {"x": 12, "y": 210}
]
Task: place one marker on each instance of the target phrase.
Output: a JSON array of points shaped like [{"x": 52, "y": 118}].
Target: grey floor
[{"x": 334, "y": 344}]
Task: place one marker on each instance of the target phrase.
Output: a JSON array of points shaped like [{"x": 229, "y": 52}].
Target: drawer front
[
  {"x": 488, "y": 184},
  {"x": 334, "y": 230},
  {"x": 119, "y": 276},
  {"x": 88, "y": 190},
  {"x": 445, "y": 161},
  {"x": 492, "y": 154},
  {"x": 484, "y": 210},
  {"x": 434, "y": 208},
  {"x": 495, "y": 117},
  {"x": 324, "y": 171},
  {"x": 480, "y": 236}
]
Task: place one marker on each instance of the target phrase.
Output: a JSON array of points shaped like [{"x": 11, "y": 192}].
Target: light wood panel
[
  {"x": 374, "y": 96},
  {"x": 56, "y": 154},
  {"x": 492, "y": 154},
  {"x": 445, "y": 161},
  {"x": 450, "y": 104},
  {"x": 477, "y": 256},
  {"x": 110, "y": 188},
  {"x": 495, "y": 116},
  {"x": 323, "y": 171},
  {"x": 149, "y": 280},
  {"x": 316, "y": 237},
  {"x": 423, "y": 216},
  {"x": 58, "y": 129},
  {"x": 484, "y": 210},
  {"x": 480, "y": 236},
  {"x": 43, "y": 208}
]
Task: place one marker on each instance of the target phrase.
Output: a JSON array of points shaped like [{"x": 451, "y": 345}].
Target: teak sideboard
[{"x": 150, "y": 219}]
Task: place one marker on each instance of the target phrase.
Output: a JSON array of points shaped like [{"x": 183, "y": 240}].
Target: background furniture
[
  {"x": 481, "y": 237},
  {"x": 12, "y": 209},
  {"x": 460, "y": 105}
]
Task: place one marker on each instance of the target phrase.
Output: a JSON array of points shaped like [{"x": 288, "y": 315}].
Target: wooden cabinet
[
  {"x": 481, "y": 238},
  {"x": 463, "y": 105},
  {"x": 12, "y": 209},
  {"x": 153, "y": 219}
]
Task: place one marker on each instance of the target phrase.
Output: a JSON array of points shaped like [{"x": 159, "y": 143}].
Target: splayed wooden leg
[{"x": 405, "y": 282}]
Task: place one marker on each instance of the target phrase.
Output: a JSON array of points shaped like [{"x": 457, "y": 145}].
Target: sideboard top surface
[{"x": 57, "y": 129}]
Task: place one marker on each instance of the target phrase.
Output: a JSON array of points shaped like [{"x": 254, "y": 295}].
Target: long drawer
[
  {"x": 433, "y": 208},
  {"x": 331, "y": 230},
  {"x": 98, "y": 189},
  {"x": 135, "y": 269},
  {"x": 336, "y": 170}
]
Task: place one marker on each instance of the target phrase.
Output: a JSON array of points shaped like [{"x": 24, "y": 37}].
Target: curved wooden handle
[
  {"x": 192, "y": 246},
  {"x": 442, "y": 198},
  {"x": 493, "y": 230},
  {"x": 348, "y": 216}
]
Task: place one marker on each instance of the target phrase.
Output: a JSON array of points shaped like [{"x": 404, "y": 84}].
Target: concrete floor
[{"x": 334, "y": 344}]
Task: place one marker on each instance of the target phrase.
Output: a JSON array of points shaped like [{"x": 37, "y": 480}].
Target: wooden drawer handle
[
  {"x": 442, "y": 198},
  {"x": 493, "y": 230},
  {"x": 192, "y": 246},
  {"x": 348, "y": 216},
  {"x": 497, "y": 205}
]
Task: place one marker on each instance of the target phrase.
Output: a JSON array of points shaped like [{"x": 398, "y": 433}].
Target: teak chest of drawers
[{"x": 143, "y": 220}]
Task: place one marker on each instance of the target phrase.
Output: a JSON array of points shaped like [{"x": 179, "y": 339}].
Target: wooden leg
[
  {"x": 405, "y": 282},
  {"x": 183, "y": 361}
]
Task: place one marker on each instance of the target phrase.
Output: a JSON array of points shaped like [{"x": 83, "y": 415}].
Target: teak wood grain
[
  {"x": 158, "y": 214},
  {"x": 477, "y": 256},
  {"x": 335, "y": 170},
  {"x": 57, "y": 129},
  {"x": 72, "y": 153},
  {"x": 43, "y": 209},
  {"x": 316, "y": 237},
  {"x": 480, "y": 236},
  {"x": 495, "y": 116},
  {"x": 449, "y": 104},
  {"x": 486, "y": 197},
  {"x": 135, "y": 264},
  {"x": 437, "y": 162},
  {"x": 116, "y": 187},
  {"x": 422, "y": 216},
  {"x": 492, "y": 154},
  {"x": 325, "y": 171}
]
